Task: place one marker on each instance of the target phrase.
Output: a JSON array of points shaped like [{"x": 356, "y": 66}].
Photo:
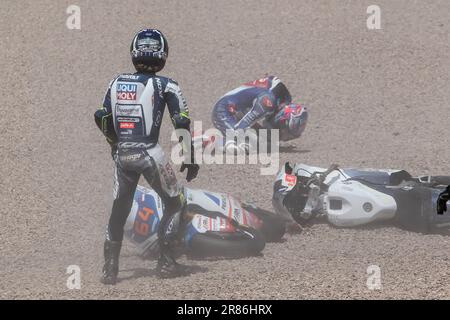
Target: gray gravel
[{"x": 376, "y": 98}]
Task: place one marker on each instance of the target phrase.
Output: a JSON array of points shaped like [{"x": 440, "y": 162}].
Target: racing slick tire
[{"x": 231, "y": 245}]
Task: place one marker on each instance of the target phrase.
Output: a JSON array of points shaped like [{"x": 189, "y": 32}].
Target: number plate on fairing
[{"x": 145, "y": 215}]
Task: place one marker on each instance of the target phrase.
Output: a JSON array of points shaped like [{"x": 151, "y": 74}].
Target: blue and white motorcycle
[{"x": 211, "y": 224}]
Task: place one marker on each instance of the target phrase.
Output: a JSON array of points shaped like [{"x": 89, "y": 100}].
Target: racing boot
[
  {"x": 167, "y": 266},
  {"x": 168, "y": 238},
  {"x": 111, "y": 268}
]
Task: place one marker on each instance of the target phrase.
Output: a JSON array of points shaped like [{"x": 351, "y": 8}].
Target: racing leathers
[
  {"x": 130, "y": 119},
  {"x": 244, "y": 106}
]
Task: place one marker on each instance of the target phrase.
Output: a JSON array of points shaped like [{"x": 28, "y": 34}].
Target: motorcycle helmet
[
  {"x": 291, "y": 119},
  {"x": 149, "y": 50}
]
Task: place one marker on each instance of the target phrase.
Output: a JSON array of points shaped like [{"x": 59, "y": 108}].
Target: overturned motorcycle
[
  {"x": 211, "y": 224},
  {"x": 353, "y": 197}
]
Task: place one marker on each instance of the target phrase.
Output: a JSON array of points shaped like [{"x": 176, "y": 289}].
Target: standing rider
[
  {"x": 130, "y": 119},
  {"x": 266, "y": 98}
]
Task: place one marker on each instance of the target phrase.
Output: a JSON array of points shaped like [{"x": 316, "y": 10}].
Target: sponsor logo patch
[
  {"x": 128, "y": 110},
  {"x": 132, "y": 157},
  {"x": 140, "y": 145},
  {"x": 126, "y": 125},
  {"x": 129, "y": 76},
  {"x": 128, "y": 119},
  {"x": 126, "y": 91},
  {"x": 159, "y": 86}
]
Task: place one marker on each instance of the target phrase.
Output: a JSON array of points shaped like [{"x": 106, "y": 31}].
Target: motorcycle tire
[{"x": 227, "y": 245}]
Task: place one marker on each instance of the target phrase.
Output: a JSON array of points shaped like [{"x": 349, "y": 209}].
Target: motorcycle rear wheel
[{"x": 227, "y": 245}]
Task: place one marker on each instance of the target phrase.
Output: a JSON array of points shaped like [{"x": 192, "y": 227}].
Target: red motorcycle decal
[{"x": 290, "y": 179}]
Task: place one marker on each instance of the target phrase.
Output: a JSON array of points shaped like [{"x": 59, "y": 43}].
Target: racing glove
[
  {"x": 104, "y": 122},
  {"x": 442, "y": 201},
  {"x": 182, "y": 121},
  {"x": 192, "y": 170},
  {"x": 192, "y": 167}
]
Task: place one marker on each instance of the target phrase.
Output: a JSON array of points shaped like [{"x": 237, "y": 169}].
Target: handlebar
[{"x": 320, "y": 177}]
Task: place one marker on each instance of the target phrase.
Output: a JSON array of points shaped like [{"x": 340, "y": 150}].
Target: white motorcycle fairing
[
  {"x": 352, "y": 197},
  {"x": 350, "y": 203}
]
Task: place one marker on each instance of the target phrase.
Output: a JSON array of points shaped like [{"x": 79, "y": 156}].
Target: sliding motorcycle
[
  {"x": 350, "y": 197},
  {"x": 211, "y": 224}
]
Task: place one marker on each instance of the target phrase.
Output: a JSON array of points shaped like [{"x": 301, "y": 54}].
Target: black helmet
[{"x": 149, "y": 50}]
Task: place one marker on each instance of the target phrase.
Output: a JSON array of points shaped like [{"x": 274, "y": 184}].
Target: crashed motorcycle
[
  {"x": 354, "y": 197},
  {"x": 211, "y": 224}
]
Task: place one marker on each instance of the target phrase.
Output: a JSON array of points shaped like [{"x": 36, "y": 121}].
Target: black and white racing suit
[{"x": 131, "y": 118}]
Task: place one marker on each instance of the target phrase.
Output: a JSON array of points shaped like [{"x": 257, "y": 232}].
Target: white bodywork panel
[{"x": 351, "y": 203}]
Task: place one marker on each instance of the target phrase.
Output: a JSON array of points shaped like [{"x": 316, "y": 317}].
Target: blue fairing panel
[{"x": 213, "y": 198}]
